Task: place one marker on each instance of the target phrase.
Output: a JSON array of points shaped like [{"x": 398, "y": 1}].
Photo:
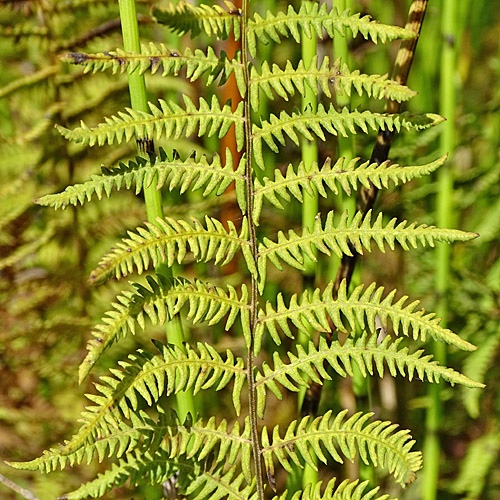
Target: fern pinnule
[
  {"x": 341, "y": 175},
  {"x": 313, "y": 309},
  {"x": 376, "y": 442},
  {"x": 193, "y": 173},
  {"x": 348, "y": 236},
  {"x": 311, "y": 123},
  {"x": 161, "y": 301},
  {"x": 365, "y": 353},
  {"x": 285, "y": 81},
  {"x": 168, "y": 242},
  {"x": 169, "y": 120}
]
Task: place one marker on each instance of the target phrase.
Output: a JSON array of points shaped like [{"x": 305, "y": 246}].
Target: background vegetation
[{"x": 47, "y": 308}]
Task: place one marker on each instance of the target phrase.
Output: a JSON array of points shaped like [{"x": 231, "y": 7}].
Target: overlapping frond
[
  {"x": 313, "y": 19},
  {"x": 183, "y": 17},
  {"x": 149, "y": 377},
  {"x": 154, "y": 56},
  {"x": 193, "y": 173},
  {"x": 309, "y": 124},
  {"x": 317, "y": 309},
  {"x": 169, "y": 120},
  {"x": 376, "y": 442},
  {"x": 365, "y": 352},
  {"x": 168, "y": 241},
  {"x": 346, "y": 490},
  {"x": 348, "y": 236},
  {"x": 346, "y": 175},
  {"x": 190, "y": 440},
  {"x": 285, "y": 81},
  {"x": 161, "y": 301}
]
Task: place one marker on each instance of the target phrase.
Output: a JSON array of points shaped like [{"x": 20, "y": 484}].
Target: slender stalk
[
  {"x": 444, "y": 219},
  {"x": 14, "y": 487},
  {"x": 153, "y": 198},
  {"x": 252, "y": 392},
  {"x": 309, "y": 151}
]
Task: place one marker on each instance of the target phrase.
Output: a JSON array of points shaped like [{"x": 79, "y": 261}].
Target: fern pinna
[{"x": 207, "y": 457}]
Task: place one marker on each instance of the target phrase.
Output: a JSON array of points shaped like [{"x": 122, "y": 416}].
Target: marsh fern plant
[{"x": 128, "y": 420}]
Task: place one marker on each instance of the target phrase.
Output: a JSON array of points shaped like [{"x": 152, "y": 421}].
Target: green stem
[
  {"x": 309, "y": 151},
  {"x": 153, "y": 198},
  {"x": 444, "y": 219}
]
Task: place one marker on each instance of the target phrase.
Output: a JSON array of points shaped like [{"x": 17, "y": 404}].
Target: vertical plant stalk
[
  {"x": 252, "y": 392},
  {"x": 309, "y": 151},
  {"x": 153, "y": 198},
  {"x": 447, "y": 99},
  {"x": 380, "y": 154}
]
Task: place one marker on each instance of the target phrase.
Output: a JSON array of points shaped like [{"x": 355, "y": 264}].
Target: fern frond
[
  {"x": 161, "y": 301},
  {"x": 346, "y": 490},
  {"x": 285, "y": 81},
  {"x": 191, "y": 440},
  {"x": 154, "y": 56},
  {"x": 347, "y": 175},
  {"x": 24, "y": 30},
  {"x": 29, "y": 248},
  {"x": 362, "y": 307},
  {"x": 168, "y": 241},
  {"x": 376, "y": 442},
  {"x": 29, "y": 80},
  {"x": 476, "y": 365},
  {"x": 364, "y": 351},
  {"x": 183, "y": 17},
  {"x": 314, "y": 20},
  {"x": 482, "y": 455},
  {"x": 169, "y": 118},
  {"x": 308, "y": 122},
  {"x": 150, "y": 377},
  {"x": 348, "y": 236},
  {"x": 193, "y": 173}
]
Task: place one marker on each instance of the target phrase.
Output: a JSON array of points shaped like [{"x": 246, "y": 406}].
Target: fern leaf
[
  {"x": 476, "y": 365},
  {"x": 376, "y": 442},
  {"x": 169, "y": 118},
  {"x": 346, "y": 490},
  {"x": 309, "y": 123},
  {"x": 149, "y": 377},
  {"x": 161, "y": 301},
  {"x": 313, "y": 308},
  {"x": 154, "y": 56},
  {"x": 364, "y": 352},
  {"x": 183, "y": 17},
  {"x": 29, "y": 80},
  {"x": 348, "y": 236},
  {"x": 285, "y": 81},
  {"x": 482, "y": 455},
  {"x": 193, "y": 173},
  {"x": 346, "y": 175},
  {"x": 168, "y": 242},
  {"x": 190, "y": 440},
  {"x": 314, "y": 20}
]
